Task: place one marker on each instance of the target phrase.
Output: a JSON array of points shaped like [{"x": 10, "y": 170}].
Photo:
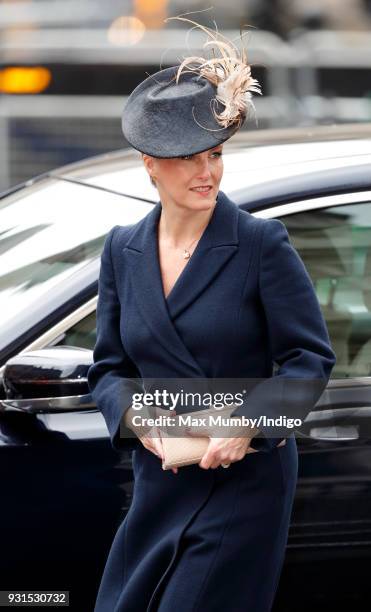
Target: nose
[{"x": 204, "y": 171}]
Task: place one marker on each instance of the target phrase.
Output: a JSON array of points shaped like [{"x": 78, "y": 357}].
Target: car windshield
[{"x": 48, "y": 232}]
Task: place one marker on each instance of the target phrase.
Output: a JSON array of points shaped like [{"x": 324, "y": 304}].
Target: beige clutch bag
[{"x": 180, "y": 450}]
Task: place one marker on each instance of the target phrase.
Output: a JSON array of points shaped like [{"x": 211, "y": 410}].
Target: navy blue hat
[{"x": 163, "y": 118}]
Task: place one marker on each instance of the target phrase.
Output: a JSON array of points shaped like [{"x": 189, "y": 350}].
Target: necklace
[{"x": 186, "y": 253}]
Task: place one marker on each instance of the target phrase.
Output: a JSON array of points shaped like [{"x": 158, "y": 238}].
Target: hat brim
[
  {"x": 174, "y": 129},
  {"x": 162, "y": 150}
]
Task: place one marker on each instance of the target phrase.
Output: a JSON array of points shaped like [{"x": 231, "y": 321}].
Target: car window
[
  {"x": 335, "y": 246},
  {"x": 82, "y": 334},
  {"x": 50, "y": 232}
]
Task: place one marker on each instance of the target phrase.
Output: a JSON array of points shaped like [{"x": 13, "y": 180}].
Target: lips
[{"x": 202, "y": 189}]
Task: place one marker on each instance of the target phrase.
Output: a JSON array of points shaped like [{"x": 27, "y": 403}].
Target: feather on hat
[{"x": 230, "y": 73}]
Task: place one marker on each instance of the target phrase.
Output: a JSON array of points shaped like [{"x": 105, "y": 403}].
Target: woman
[{"x": 199, "y": 289}]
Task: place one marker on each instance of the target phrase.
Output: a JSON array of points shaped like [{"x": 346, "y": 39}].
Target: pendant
[{"x": 186, "y": 254}]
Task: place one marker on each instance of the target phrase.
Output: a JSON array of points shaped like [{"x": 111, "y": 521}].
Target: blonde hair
[{"x": 230, "y": 73}]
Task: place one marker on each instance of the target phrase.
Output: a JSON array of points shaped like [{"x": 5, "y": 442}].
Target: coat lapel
[{"x": 218, "y": 243}]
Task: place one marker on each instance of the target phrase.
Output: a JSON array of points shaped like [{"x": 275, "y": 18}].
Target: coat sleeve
[
  {"x": 298, "y": 337},
  {"x": 111, "y": 376}
]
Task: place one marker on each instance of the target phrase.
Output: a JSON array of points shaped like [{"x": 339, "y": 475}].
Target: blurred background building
[{"x": 67, "y": 66}]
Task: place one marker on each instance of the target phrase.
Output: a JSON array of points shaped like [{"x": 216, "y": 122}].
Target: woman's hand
[
  {"x": 152, "y": 442},
  {"x": 224, "y": 450},
  {"x": 149, "y": 436}
]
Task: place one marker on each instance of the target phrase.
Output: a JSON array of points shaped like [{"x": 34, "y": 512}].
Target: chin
[{"x": 202, "y": 202}]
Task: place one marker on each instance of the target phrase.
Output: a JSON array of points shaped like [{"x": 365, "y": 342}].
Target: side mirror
[{"x": 48, "y": 380}]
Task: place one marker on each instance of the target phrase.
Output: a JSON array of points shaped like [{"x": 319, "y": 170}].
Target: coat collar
[
  {"x": 218, "y": 243},
  {"x": 221, "y": 229}
]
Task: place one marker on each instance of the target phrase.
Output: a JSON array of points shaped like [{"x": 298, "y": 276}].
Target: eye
[{"x": 188, "y": 157}]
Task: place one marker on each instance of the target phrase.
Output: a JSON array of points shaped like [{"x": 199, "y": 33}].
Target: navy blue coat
[{"x": 206, "y": 540}]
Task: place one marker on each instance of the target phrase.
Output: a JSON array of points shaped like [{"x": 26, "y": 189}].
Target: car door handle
[
  {"x": 340, "y": 433},
  {"x": 341, "y": 424}
]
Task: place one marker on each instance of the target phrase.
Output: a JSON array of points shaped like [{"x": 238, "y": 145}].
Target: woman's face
[{"x": 177, "y": 178}]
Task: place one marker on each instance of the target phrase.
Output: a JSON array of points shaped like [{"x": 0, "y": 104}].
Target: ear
[{"x": 148, "y": 163}]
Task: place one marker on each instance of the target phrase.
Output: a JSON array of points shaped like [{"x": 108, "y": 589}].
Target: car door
[
  {"x": 64, "y": 493},
  {"x": 331, "y": 520}
]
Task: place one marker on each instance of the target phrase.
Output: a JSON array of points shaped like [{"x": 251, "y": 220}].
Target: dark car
[{"x": 64, "y": 489}]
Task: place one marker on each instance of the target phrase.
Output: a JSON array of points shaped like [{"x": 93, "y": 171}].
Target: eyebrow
[{"x": 219, "y": 147}]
